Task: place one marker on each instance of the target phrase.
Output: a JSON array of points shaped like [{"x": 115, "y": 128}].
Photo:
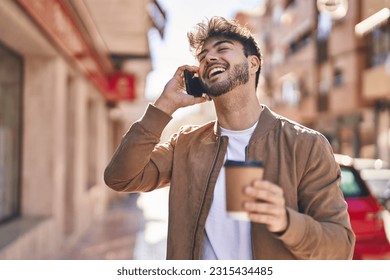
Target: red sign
[{"x": 121, "y": 86}]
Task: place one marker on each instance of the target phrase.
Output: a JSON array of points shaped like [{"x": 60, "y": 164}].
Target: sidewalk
[{"x": 132, "y": 229}]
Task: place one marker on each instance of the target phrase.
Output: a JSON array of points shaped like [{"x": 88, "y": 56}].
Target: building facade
[
  {"x": 62, "y": 78},
  {"x": 320, "y": 70}
]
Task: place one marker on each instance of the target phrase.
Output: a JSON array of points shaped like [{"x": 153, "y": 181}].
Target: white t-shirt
[{"x": 228, "y": 239}]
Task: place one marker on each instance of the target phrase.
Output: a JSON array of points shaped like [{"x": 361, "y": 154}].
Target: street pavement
[{"x": 134, "y": 228}]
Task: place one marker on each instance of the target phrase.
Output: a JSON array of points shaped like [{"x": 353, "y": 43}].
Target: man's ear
[{"x": 254, "y": 63}]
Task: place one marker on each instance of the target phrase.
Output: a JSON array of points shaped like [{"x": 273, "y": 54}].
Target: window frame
[{"x": 15, "y": 205}]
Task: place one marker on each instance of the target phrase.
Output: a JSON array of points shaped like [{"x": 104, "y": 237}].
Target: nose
[{"x": 210, "y": 57}]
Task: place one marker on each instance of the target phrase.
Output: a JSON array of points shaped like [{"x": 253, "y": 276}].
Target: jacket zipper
[
  {"x": 252, "y": 248},
  {"x": 204, "y": 196}
]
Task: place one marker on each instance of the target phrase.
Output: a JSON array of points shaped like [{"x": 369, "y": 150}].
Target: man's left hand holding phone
[{"x": 174, "y": 95}]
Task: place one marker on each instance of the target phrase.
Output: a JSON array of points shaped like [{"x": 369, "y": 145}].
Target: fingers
[
  {"x": 264, "y": 208},
  {"x": 274, "y": 223},
  {"x": 266, "y": 191},
  {"x": 268, "y": 207},
  {"x": 174, "y": 95},
  {"x": 201, "y": 99},
  {"x": 180, "y": 70},
  {"x": 265, "y": 213},
  {"x": 179, "y": 78},
  {"x": 179, "y": 75}
]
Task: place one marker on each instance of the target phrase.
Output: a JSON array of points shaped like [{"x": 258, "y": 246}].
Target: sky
[{"x": 173, "y": 51}]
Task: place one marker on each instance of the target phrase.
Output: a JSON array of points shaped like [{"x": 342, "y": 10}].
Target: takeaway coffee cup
[{"x": 238, "y": 175}]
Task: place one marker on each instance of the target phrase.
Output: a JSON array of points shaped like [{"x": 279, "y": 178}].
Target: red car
[{"x": 369, "y": 220}]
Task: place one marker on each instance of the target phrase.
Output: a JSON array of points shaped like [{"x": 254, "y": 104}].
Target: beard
[{"x": 238, "y": 76}]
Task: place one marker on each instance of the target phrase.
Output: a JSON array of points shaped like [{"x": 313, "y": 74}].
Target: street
[{"x": 130, "y": 230}]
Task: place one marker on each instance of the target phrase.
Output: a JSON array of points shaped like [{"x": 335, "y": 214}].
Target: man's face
[{"x": 222, "y": 65}]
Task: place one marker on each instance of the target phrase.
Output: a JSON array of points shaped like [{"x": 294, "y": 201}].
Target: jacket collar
[{"x": 266, "y": 122}]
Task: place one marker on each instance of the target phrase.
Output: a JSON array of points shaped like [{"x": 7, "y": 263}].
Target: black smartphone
[{"x": 193, "y": 85}]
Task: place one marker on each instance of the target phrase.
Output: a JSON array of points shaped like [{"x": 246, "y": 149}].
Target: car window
[
  {"x": 378, "y": 186},
  {"x": 350, "y": 185}
]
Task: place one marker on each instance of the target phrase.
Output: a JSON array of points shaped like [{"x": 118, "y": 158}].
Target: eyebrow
[{"x": 215, "y": 45}]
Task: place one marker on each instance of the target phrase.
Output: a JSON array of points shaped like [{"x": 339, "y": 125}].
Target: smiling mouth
[{"x": 216, "y": 71}]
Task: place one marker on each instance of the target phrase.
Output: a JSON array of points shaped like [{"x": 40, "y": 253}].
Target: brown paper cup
[{"x": 238, "y": 175}]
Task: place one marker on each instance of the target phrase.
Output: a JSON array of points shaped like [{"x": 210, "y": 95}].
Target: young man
[{"x": 299, "y": 211}]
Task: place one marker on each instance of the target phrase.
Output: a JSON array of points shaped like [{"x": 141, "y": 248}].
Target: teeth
[{"x": 215, "y": 70}]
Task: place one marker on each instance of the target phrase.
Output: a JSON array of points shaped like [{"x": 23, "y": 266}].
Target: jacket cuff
[
  {"x": 295, "y": 232},
  {"x": 154, "y": 120}
]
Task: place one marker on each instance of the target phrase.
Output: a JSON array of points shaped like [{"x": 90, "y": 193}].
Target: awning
[{"x": 81, "y": 42}]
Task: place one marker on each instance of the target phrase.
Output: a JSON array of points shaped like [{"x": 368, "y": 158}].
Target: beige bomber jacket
[{"x": 296, "y": 158}]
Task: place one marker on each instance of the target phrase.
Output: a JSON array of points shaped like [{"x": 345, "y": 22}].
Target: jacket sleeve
[
  {"x": 321, "y": 228},
  {"x": 140, "y": 163}
]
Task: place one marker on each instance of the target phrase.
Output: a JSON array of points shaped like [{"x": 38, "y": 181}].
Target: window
[
  {"x": 324, "y": 22},
  {"x": 351, "y": 184},
  {"x": 323, "y": 96},
  {"x": 291, "y": 89},
  {"x": 300, "y": 43},
  {"x": 290, "y": 3},
  {"x": 379, "y": 46},
  {"x": 322, "y": 51},
  {"x": 338, "y": 77},
  {"x": 92, "y": 144},
  {"x": 11, "y": 67},
  {"x": 291, "y": 93}
]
